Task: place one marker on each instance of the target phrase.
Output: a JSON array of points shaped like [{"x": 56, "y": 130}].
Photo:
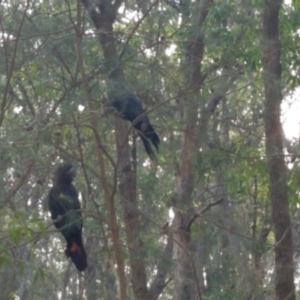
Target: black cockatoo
[
  {"x": 130, "y": 108},
  {"x": 64, "y": 207}
]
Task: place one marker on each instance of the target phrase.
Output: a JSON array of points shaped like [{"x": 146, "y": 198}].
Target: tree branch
[{"x": 206, "y": 208}]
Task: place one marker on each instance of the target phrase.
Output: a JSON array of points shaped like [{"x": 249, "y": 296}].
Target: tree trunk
[
  {"x": 244, "y": 281},
  {"x": 185, "y": 272},
  {"x": 104, "y": 22},
  {"x": 103, "y": 17},
  {"x": 284, "y": 269}
]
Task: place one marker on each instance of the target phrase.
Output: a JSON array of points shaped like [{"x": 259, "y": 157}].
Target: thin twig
[{"x": 206, "y": 208}]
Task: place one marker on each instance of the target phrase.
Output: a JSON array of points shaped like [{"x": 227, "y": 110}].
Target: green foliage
[
  {"x": 48, "y": 118},
  {"x": 5, "y": 261}
]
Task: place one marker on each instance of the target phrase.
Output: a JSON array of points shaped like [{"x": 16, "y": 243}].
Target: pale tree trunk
[
  {"x": 186, "y": 282},
  {"x": 284, "y": 270},
  {"x": 244, "y": 281},
  {"x": 22, "y": 290}
]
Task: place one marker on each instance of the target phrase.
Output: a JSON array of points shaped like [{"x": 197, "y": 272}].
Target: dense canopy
[{"x": 215, "y": 215}]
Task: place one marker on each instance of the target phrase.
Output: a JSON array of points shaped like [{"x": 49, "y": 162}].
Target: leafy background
[{"x": 48, "y": 116}]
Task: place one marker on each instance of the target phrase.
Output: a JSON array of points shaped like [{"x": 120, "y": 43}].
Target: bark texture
[
  {"x": 284, "y": 270},
  {"x": 103, "y": 16},
  {"x": 185, "y": 275}
]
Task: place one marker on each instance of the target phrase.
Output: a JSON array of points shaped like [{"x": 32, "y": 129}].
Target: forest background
[{"x": 216, "y": 217}]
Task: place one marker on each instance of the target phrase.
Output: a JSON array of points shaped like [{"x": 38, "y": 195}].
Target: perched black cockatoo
[
  {"x": 130, "y": 108},
  {"x": 64, "y": 207}
]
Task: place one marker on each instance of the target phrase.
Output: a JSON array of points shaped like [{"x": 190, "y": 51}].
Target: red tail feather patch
[{"x": 74, "y": 247}]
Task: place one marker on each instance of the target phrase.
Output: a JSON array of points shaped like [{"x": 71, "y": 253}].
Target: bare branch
[{"x": 206, "y": 208}]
